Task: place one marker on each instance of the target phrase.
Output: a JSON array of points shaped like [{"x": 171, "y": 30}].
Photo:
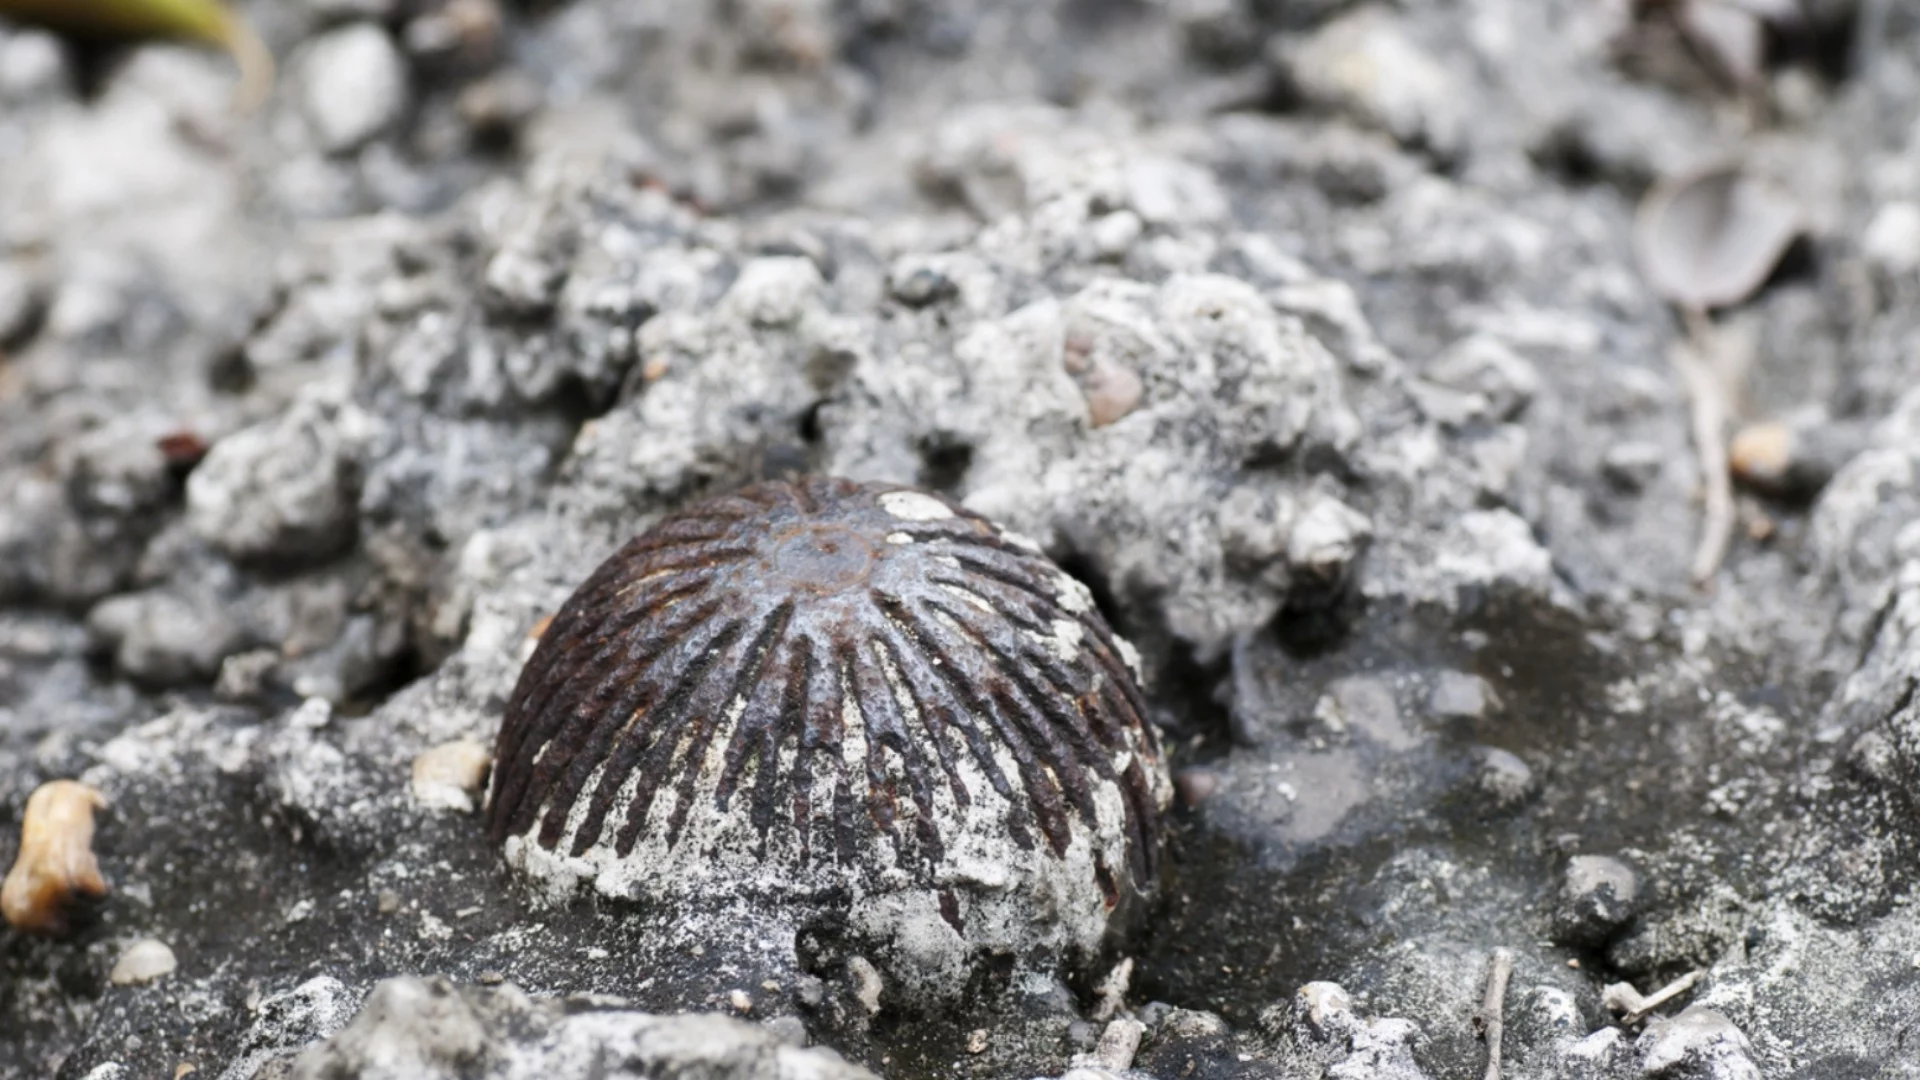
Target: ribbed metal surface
[{"x": 832, "y": 659}]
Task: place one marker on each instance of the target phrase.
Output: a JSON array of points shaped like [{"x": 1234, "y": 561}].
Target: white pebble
[
  {"x": 449, "y": 776},
  {"x": 144, "y": 961}
]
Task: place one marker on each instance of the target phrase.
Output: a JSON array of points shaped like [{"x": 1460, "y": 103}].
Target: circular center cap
[{"x": 821, "y": 558}]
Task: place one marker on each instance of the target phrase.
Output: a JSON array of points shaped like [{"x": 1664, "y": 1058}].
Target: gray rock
[
  {"x": 33, "y": 66},
  {"x": 284, "y": 1024},
  {"x": 277, "y": 491},
  {"x": 1366, "y": 64},
  {"x": 1598, "y": 895},
  {"x": 352, "y": 84},
  {"x": 1459, "y": 695},
  {"x": 421, "y": 1029},
  {"x": 1502, "y": 778},
  {"x": 22, "y": 299},
  {"x": 1327, "y": 536},
  {"x": 1698, "y": 1044},
  {"x": 165, "y": 639},
  {"x": 1502, "y": 380}
]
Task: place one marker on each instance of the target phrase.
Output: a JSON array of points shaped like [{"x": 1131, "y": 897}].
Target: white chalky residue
[
  {"x": 1022, "y": 541},
  {"x": 1073, "y": 596},
  {"x": 1065, "y": 640},
  {"x": 899, "y": 538},
  {"x": 914, "y": 506},
  {"x": 970, "y": 597}
]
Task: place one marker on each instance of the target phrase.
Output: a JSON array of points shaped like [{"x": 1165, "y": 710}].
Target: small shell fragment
[
  {"x": 56, "y": 866},
  {"x": 144, "y": 961},
  {"x": 449, "y": 776}
]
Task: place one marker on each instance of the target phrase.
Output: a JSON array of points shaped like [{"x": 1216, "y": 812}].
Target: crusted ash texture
[{"x": 815, "y": 690}]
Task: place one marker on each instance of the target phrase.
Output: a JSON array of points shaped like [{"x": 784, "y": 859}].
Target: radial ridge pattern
[{"x": 841, "y": 668}]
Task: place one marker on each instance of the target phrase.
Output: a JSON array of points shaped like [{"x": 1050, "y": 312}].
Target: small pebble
[
  {"x": 1631, "y": 466},
  {"x": 1195, "y": 786},
  {"x": 1457, "y": 695},
  {"x": 143, "y": 962},
  {"x": 1326, "y": 538},
  {"x": 1790, "y": 461},
  {"x": 1698, "y": 1044},
  {"x": 1502, "y": 776},
  {"x": 924, "y": 287},
  {"x": 1325, "y": 1008},
  {"x": 450, "y": 776},
  {"x": 740, "y": 1001},
  {"x": 353, "y": 85},
  {"x": 1597, "y": 897},
  {"x": 977, "y": 1041}
]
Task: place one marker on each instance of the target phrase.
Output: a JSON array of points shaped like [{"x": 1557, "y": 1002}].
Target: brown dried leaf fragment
[{"x": 56, "y": 865}]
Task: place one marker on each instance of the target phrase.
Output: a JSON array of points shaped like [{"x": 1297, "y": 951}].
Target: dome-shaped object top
[{"x": 826, "y": 689}]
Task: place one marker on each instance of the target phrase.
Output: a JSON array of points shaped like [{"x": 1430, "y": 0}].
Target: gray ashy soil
[{"x": 1307, "y": 335}]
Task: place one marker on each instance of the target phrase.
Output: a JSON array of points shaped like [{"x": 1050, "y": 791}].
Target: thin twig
[
  {"x": 1493, "y": 1007},
  {"x": 1708, "y": 402},
  {"x": 1661, "y": 996}
]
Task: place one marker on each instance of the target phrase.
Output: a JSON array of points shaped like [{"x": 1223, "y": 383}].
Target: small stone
[
  {"x": 32, "y": 65},
  {"x": 450, "y": 776},
  {"x": 353, "y": 86},
  {"x": 1594, "y": 1057},
  {"x": 521, "y": 282},
  {"x": 1115, "y": 234},
  {"x": 1195, "y": 786},
  {"x": 1326, "y": 539},
  {"x": 387, "y": 902},
  {"x": 1494, "y": 551},
  {"x": 162, "y": 639},
  {"x": 923, "y": 287},
  {"x": 22, "y": 300},
  {"x": 1504, "y": 380},
  {"x": 1323, "y": 1009},
  {"x": 776, "y": 290},
  {"x": 1502, "y": 777},
  {"x": 1789, "y": 460},
  {"x": 740, "y": 1001},
  {"x": 1118, "y": 1044},
  {"x": 1168, "y": 191},
  {"x": 1597, "y": 897},
  {"x": 1458, "y": 695},
  {"x": 788, "y": 1029},
  {"x": 810, "y": 991},
  {"x": 244, "y": 676},
  {"x": 1698, "y": 1044},
  {"x": 1631, "y": 466},
  {"x": 1365, "y": 64},
  {"x": 491, "y": 978},
  {"x": 1112, "y": 392},
  {"x": 866, "y": 983},
  {"x": 1892, "y": 239},
  {"x": 275, "y": 491},
  {"x": 143, "y": 962},
  {"x": 977, "y": 1041},
  {"x": 456, "y": 35},
  {"x": 496, "y": 107},
  {"x": 1364, "y": 706}
]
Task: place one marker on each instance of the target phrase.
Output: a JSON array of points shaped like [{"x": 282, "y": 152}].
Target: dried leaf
[{"x": 1710, "y": 239}]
